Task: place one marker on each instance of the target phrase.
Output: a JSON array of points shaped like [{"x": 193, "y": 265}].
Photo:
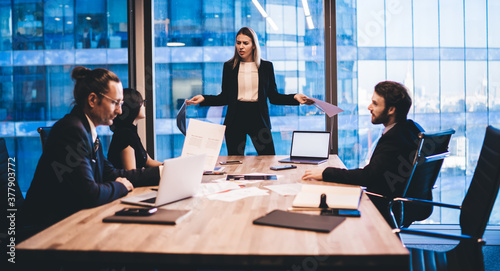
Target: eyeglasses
[{"x": 113, "y": 101}]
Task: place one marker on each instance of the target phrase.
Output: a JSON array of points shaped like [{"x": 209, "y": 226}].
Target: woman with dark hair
[
  {"x": 247, "y": 83},
  {"x": 126, "y": 150}
]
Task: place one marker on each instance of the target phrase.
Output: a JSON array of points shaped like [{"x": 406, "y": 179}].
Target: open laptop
[
  {"x": 180, "y": 179},
  {"x": 309, "y": 147}
]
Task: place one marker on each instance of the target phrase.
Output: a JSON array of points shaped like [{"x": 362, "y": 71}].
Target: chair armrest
[
  {"x": 431, "y": 158},
  {"x": 426, "y": 202},
  {"x": 434, "y": 234}
]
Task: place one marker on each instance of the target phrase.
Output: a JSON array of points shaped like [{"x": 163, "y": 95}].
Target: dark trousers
[{"x": 248, "y": 122}]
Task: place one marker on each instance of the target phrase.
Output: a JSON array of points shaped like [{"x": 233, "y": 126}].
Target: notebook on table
[
  {"x": 309, "y": 147},
  {"x": 181, "y": 178},
  {"x": 162, "y": 216},
  {"x": 299, "y": 221}
]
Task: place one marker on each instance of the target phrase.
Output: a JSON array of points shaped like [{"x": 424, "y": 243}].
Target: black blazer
[
  {"x": 71, "y": 176},
  {"x": 267, "y": 89},
  {"x": 389, "y": 167}
]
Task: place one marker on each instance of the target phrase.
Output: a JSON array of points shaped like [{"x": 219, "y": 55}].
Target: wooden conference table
[{"x": 218, "y": 234}]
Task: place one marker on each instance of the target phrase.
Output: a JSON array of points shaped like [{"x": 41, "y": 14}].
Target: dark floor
[{"x": 491, "y": 254}]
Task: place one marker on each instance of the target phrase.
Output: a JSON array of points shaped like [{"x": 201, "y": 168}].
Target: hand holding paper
[{"x": 329, "y": 109}]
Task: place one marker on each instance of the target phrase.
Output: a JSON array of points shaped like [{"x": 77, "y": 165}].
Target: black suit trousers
[{"x": 248, "y": 122}]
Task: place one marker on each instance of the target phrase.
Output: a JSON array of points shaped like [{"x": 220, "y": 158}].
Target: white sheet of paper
[
  {"x": 237, "y": 194},
  {"x": 213, "y": 188},
  {"x": 289, "y": 189},
  {"x": 329, "y": 109},
  {"x": 204, "y": 138}
]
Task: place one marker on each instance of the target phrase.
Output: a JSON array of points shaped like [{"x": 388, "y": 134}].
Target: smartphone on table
[
  {"x": 136, "y": 211},
  {"x": 229, "y": 162},
  {"x": 283, "y": 167}
]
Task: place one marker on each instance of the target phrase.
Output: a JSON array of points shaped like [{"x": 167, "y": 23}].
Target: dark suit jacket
[
  {"x": 388, "y": 170},
  {"x": 267, "y": 89},
  {"x": 71, "y": 176}
]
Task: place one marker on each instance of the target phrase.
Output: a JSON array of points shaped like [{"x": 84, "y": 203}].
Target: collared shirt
[
  {"x": 248, "y": 82},
  {"x": 374, "y": 144},
  {"x": 387, "y": 128},
  {"x": 92, "y": 129}
]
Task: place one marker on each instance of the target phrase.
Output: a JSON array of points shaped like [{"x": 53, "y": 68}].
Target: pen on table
[
  {"x": 227, "y": 190},
  {"x": 214, "y": 172}
]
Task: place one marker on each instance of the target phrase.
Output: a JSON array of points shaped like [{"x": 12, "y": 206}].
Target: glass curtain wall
[
  {"x": 41, "y": 42},
  {"x": 447, "y": 53},
  {"x": 194, "y": 38}
]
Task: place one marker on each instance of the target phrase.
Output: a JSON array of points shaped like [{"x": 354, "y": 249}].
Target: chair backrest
[
  {"x": 484, "y": 186},
  {"x": 432, "y": 149},
  {"x": 44, "y": 134}
]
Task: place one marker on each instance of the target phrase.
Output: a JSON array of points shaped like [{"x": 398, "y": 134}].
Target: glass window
[
  {"x": 5, "y": 26},
  {"x": 59, "y": 24},
  {"x": 475, "y": 23},
  {"x": 493, "y": 25},
  {"x": 41, "y": 42},
  {"x": 451, "y": 24},
  {"x": 447, "y": 66},
  {"x": 398, "y": 16},
  {"x": 476, "y": 81},
  {"x": 371, "y": 23},
  {"x": 452, "y": 86},
  {"x": 426, "y": 98},
  {"x": 91, "y": 27},
  {"x": 28, "y": 25},
  {"x": 425, "y": 23},
  {"x": 494, "y": 88}
]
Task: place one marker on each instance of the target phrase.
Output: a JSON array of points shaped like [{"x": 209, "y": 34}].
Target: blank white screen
[{"x": 310, "y": 144}]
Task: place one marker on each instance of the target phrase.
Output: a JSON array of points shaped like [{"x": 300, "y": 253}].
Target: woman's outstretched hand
[
  {"x": 195, "y": 100},
  {"x": 303, "y": 99}
]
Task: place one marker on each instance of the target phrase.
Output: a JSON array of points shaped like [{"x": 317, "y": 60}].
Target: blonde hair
[{"x": 247, "y": 31}]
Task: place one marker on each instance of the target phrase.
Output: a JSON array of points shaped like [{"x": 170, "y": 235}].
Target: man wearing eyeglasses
[{"x": 73, "y": 173}]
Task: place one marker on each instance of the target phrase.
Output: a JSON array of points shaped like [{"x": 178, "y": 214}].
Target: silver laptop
[
  {"x": 180, "y": 179},
  {"x": 309, "y": 147}
]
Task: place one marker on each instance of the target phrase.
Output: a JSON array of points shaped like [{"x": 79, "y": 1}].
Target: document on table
[
  {"x": 204, "y": 138},
  {"x": 289, "y": 189},
  {"x": 213, "y": 188},
  {"x": 329, "y": 109},
  {"x": 238, "y": 194}
]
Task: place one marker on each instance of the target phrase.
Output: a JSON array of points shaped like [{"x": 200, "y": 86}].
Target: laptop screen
[{"x": 310, "y": 144}]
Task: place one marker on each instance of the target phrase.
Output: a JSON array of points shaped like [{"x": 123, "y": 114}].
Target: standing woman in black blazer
[{"x": 247, "y": 83}]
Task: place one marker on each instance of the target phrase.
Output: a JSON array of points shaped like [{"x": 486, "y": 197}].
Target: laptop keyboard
[{"x": 150, "y": 200}]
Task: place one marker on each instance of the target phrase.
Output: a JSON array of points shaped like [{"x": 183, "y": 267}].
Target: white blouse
[{"x": 248, "y": 82}]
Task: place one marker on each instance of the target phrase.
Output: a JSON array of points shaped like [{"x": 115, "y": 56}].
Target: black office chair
[
  {"x": 421, "y": 176},
  {"x": 475, "y": 212},
  {"x": 44, "y": 134},
  {"x": 431, "y": 152}
]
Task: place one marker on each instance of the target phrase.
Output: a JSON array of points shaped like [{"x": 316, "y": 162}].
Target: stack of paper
[{"x": 338, "y": 197}]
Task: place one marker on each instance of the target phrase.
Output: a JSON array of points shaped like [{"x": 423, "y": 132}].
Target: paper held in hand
[
  {"x": 204, "y": 138},
  {"x": 337, "y": 197}
]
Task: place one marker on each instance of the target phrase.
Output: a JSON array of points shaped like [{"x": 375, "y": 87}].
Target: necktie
[{"x": 97, "y": 144}]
